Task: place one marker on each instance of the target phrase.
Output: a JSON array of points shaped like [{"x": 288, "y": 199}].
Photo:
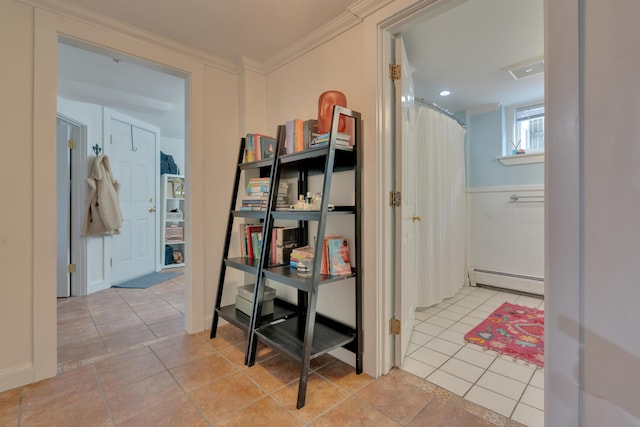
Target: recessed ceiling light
[{"x": 445, "y": 93}]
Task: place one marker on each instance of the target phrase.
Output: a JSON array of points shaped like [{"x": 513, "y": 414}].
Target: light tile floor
[
  {"x": 126, "y": 361},
  {"x": 438, "y": 353}
]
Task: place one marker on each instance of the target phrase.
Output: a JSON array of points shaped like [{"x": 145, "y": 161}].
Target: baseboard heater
[{"x": 510, "y": 281}]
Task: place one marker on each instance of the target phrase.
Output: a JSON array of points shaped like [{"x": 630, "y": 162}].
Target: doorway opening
[
  {"x": 130, "y": 110},
  {"x": 441, "y": 49}
]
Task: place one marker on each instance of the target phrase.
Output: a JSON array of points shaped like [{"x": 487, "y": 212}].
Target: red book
[{"x": 251, "y": 228}]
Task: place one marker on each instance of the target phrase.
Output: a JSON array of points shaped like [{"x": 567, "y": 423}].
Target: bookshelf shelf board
[
  {"x": 281, "y": 310},
  {"x": 311, "y": 215},
  {"x": 289, "y": 276},
  {"x": 266, "y": 163},
  {"x": 314, "y": 159},
  {"x": 249, "y": 214},
  {"x": 243, "y": 263},
  {"x": 176, "y": 265},
  {"x": 288, "y": 338}
]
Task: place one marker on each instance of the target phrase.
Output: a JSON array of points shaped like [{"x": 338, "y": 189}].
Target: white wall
[
  {"x": 16, "y": 244},
  {"x": 593, "y": 206},
  {"x": 611, "y": 210},
  {"x": 504, "y": 236}
]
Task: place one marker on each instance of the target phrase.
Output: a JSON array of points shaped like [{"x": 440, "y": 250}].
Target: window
[{"x": 529, "y": 128}]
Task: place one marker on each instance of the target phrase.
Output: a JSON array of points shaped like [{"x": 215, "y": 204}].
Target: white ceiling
[
  {"x": 466, "y": 49},
  {"x": 463, "y": 50}
]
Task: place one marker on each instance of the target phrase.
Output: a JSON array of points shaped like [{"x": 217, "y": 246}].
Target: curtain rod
[{"x": 439, "y": 109}]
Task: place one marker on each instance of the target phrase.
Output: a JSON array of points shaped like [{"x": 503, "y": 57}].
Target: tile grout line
[{"x": 104, "y": 396}]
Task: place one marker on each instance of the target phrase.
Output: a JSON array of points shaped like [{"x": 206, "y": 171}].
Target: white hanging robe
[{"x": 103, "y": 215}]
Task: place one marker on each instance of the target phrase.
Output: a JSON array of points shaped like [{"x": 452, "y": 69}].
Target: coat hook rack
[{"x": 96, "y": 149}]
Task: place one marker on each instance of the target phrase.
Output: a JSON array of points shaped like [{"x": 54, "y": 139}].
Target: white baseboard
[
  {"x": 508, "y": 281},
  {"x": 16, "y": 376}
]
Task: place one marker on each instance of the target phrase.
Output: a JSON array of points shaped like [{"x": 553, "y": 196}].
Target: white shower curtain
[{"x": 440, "y": 199}]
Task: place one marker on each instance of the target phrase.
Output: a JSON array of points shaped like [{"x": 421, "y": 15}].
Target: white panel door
[
  {"x": 406, "y": 262},
  {"x": 133, "y": 163}
]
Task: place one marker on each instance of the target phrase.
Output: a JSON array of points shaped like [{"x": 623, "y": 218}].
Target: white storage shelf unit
[{"x": 172, "y": 223}]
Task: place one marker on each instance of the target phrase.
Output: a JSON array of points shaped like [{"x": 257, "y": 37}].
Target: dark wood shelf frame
[
  {"x": 297, "y": 330},
  {"x": 309, "y": 334}
]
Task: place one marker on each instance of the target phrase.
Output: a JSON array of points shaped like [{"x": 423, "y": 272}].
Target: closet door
[{"x": 134, "y": 163}]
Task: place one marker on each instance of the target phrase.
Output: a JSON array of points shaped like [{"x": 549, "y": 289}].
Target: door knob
[
  {"x": 416, "y": 218},
  {"x": 152, "y": 209}
]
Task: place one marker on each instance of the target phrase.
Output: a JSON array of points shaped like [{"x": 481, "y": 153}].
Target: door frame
[
  {"x": 49, "y": 26},
  {"x": 387, "y": 31},
  {"x": 78, "y": 253}
]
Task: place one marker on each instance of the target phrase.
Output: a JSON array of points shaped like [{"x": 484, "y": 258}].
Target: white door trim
[
  {"x": 48, "y": 28},
  {"x": 387, "y": 29}
]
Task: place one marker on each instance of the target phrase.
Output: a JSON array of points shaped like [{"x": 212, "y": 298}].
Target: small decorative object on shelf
[
  {"x": 326, "y": 101},
  {"x": 516, "y": 148}
]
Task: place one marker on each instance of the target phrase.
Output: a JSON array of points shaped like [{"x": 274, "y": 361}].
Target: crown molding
[
  {"x": 364, "y": 8},
  {"x": 320, "y": 36},
  {"x": 354, "y": 15},
  {"x": 248, "y": 64},
  {"x": 94, "y": 18}
]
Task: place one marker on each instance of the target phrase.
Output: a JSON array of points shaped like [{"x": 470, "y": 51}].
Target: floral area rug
[{"x": 512, "y": 330}]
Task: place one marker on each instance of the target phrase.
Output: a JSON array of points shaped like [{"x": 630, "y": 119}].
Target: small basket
[
  {"x": 174, "y": 233},
  {"x": 175, "y": 216}
]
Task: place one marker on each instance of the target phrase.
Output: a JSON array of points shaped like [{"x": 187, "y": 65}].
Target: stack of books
[
  {"x": 244, "y": 299},
  {"x": 299, "y": 134},
  {"x": 258, "y": 194},
  {"x": 282, "y": 201},
  {"x": 342, "y": 140}
]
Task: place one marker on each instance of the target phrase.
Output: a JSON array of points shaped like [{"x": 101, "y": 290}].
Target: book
[
  {"x": 256, "y": 242},
  {"x": 249, "y": 152},
  {"x": 249, "y": 230},
  {"x": 310, "y": 127},
  {"x": 267, "y": 147},
  {"x": 246, "y": 306},
  {"x": 298, "y": 135},
  {"x": 246, "y": 292},
  {"x": 283, "y": 241},
  {"x": 243, "y": 239},
  {"x": 288, "y": 139},
  {"x": 324, "y": 263},
  {"x": 338, "y": 257},
  {"x": 294, "y": 138}
]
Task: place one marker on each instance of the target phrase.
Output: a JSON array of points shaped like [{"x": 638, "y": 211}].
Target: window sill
[{"x": 522, "y": 159}]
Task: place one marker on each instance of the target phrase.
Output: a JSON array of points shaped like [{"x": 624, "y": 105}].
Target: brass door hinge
[
  {"x": 71, "y": 144},
  {"x": 394, "y": 326},
  {"x": 395, "y": 71},
  {"x": 395, "y": 198},
  {"x": 71, "y": 268}
]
